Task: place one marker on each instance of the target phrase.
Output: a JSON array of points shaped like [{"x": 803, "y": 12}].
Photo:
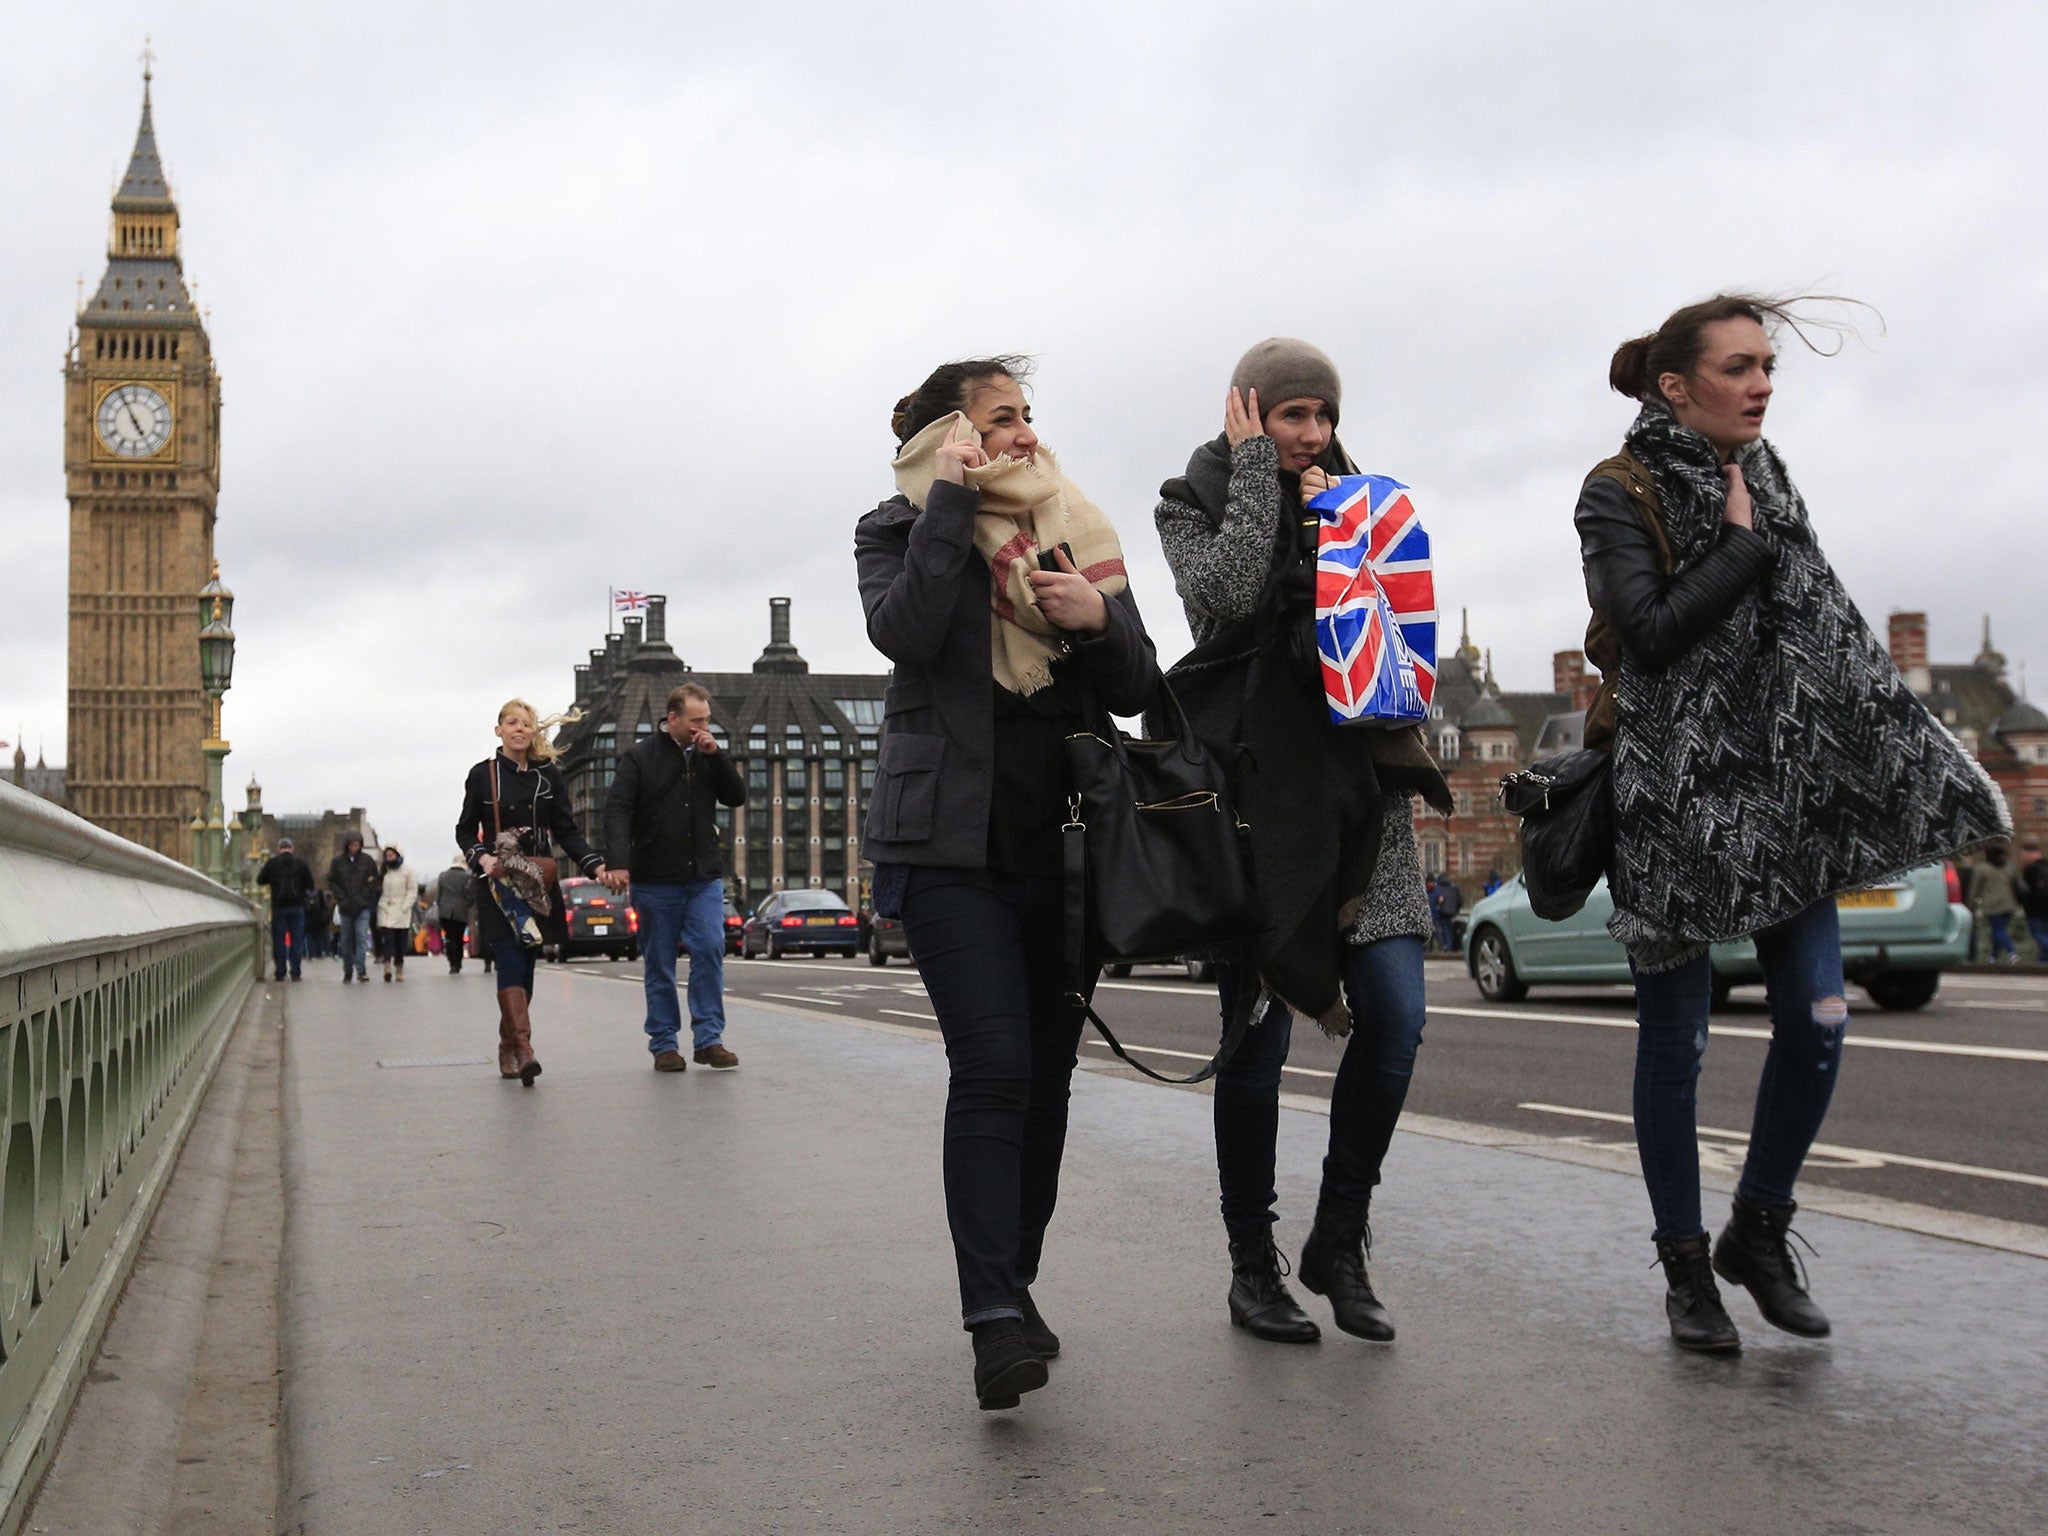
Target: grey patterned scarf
[{"x": 1782, "y": 760}]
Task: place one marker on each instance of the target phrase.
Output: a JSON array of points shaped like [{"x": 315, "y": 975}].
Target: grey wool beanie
[{"x": 1281, "y": 368}]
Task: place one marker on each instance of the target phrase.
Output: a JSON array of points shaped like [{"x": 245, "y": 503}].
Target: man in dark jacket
[
  {"x": 290, "y": 879},
  {"x": 451, "y": 905},
  {"x": 661, "y": 837},
  {"x": 2034, "y": 897},
  {"x": 353, "y": 880}
]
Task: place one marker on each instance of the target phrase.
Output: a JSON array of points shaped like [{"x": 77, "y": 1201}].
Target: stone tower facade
[{"x": 142, "y": 474}]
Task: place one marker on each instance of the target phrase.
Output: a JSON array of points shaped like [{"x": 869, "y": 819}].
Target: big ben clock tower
[{"x": 142, "y": 473}]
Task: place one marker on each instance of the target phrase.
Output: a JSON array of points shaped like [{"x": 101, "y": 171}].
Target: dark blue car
[{"x": 799, "y": 922}]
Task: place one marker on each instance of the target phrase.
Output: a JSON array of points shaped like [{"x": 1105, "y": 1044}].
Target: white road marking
[
  {"x": 1967, "y": 1002},
  {"x": 1741, "y": 1032},
  {"x": 1868, "y": 1158},
  {"x": 791, "y": 997},
  {"x": 905, "y": 1013}
]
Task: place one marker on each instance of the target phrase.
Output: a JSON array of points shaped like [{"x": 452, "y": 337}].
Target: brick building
[{"x": 2006, "y": 731}]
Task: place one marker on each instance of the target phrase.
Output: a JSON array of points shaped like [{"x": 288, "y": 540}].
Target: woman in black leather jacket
[
  {"x": 1766, "y": 756},
  {"x": 997, "y": 653}
]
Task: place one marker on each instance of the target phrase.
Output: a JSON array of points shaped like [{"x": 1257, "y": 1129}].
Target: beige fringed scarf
[{"x": 1026, "y": 505}]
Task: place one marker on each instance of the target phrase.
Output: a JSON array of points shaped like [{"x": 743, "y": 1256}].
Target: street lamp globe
[{"x": 216, "y": 656}]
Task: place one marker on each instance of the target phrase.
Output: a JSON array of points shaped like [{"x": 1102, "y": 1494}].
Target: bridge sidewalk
[{"x": 626, "y": 1302}]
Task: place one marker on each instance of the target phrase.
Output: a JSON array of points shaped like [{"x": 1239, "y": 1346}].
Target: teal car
[{"x": 1897, "y": 938}]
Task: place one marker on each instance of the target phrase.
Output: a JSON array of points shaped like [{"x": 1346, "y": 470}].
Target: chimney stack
[
  {"x": 778, "y": 621},
  {"x": 1909, "y": 650},
  {"x": 657, "y": 618}
]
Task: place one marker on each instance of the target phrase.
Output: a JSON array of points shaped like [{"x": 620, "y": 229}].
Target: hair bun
[{"x": 899, "y": 417}]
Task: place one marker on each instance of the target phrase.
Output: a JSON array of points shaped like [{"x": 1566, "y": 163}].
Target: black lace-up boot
[
  {"x": 1043, "y": 1342},
  {"x": 1754, "y": 1252},
  {"x": 1333, "y": 1265},
  {"x": 1259, "y": 1298},
  {"x": 1693, "y": 1302},
  {"x": 1004, "y": 1366}
]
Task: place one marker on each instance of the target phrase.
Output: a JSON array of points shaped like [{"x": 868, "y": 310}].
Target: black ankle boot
[
  {"x": 1038, "y": 1338},
  {"x": 1693, "y": 1302},
  {"x": 1333, "y": 1265},
  {"x": 1753, "y": 1253},
  {"x": 1259, "y": 1299},
  {"x": 1004, "y": 1366}
]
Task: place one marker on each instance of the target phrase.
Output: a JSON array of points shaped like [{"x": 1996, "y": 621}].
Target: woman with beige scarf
[{"x": 999, "y": 592}]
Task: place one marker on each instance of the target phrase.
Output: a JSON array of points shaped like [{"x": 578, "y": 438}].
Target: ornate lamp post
[
  {"x": 253, "y": 850},
  {"x": 216, "y": 675}
]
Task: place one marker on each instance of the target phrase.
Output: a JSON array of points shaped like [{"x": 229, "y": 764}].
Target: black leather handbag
[
  {"x": 1156, "y": 863},
  {"x": 1567, "y": 808}
]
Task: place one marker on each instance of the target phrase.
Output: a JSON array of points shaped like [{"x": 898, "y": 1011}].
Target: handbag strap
[{"x": 1075, "y": 839}]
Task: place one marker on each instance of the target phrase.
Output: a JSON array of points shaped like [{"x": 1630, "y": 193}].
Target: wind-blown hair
[{"x": 1675, "y": 346}]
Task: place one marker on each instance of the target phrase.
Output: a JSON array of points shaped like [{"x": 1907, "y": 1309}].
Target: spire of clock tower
[{"x": 144, "y": 272}]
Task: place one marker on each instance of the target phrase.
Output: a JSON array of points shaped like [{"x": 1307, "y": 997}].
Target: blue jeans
[
  {"x": 287, "y": 939},
  {"x": 1383, "y": 986},
  {"x": 2001, "y": 936},
  {"x": 989, "y": 948},
  {"x": 692, "y": 913},
  {"x": 1802, "y": 965},
  {"x": 355, "y": 943},
  {"x": 515, "y": 965},
  {"x": 2038, "y": 927}
]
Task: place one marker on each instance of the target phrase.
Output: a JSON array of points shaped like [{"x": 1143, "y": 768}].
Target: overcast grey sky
[{"x": 513, "y": 303}]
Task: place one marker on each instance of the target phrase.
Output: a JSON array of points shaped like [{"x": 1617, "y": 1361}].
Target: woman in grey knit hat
[{"x": 1333, "y": 843}]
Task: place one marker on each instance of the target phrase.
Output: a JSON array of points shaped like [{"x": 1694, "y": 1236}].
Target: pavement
[{"x": 723, "y": 1302}]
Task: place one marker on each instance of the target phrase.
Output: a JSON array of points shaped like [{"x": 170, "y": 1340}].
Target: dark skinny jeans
[
  {"x": 988, "y": 947},
  {"x": 1802, "y": 965},
  {"x": 1383, "y": 986}
]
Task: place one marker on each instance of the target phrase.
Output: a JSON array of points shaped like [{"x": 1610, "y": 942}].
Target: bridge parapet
[{"x": 121, "y": 976}]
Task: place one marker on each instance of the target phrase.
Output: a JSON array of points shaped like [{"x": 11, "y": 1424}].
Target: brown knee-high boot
[
  {"x": 508, "y": 1037},
  {"x": 516, "y": 1002}
]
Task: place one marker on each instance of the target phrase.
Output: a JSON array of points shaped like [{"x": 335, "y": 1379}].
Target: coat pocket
[{"x": 907, "y": 787}]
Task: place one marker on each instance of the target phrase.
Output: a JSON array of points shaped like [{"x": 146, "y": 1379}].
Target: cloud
[{"x": 511, "y": 307}]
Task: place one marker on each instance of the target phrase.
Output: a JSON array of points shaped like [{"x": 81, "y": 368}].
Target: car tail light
[
  {"x": 598, "y": 901},
  {"x": 735, "y": 922},
  {"x": 632, "y": 919},
  {"x": 849, "y": 921},
  {"x": 791, "y": 922},
  {"x": 1955, "y": 883}
]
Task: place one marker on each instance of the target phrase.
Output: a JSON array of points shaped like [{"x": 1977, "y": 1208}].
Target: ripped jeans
[{"x": 1802, "y": 965}]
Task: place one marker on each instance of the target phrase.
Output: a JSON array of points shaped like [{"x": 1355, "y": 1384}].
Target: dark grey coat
[{"x": 926, "y": 593}]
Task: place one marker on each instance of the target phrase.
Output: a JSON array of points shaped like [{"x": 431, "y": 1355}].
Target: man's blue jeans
[
  {"x": 2038, "y": 928},
  {"x": 355, "y": 943},
  {"x": 1802, "y": 965},
  {"x": 1383, "y": 986},
  {"x": 2001, "y": 937},
  {"x": 693, "y": 913},
  {"x": 287, "y": 939}
]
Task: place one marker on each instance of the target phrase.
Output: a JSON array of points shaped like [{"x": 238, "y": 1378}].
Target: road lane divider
[
  {"x": 1160, "y": 1050},
  {"x": 1744, "y": 1032},
  {"x": 791, "y": 997},
  {"x": 905, "y": 1013},
  {"x": 1864, "y": 1155}
]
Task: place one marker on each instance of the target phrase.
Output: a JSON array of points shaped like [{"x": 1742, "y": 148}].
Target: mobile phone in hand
[{"x": 1048, "y": 560}]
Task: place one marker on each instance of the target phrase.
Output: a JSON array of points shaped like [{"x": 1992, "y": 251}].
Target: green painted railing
[{"x": 121, "y": 976}]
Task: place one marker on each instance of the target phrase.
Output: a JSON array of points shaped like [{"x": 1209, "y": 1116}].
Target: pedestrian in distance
[
  {"x": 290, "y": 881},
  {"x": 2034, "y": 898},
  {"x": 1996, "y": 896},
  {"x": 518, "y": 789},
  {"x": 452, "y": 906},
  {"x": 661, "y": 841},
  {"x": 319, "y": 924},
  {"x": 1450, "y": 901},
  {"x": 397, "y": 894},
  {"x": 998, "y": 590},
  {"x": 1331, "y": 811},
  {"x": 1766, "y": 756},
  {"x": 353, "y": 880}
]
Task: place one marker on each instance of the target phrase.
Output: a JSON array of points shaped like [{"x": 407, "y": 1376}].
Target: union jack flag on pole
[
  {"x": 1375, "y": 603},
  {"x": 627, "y": 600}
]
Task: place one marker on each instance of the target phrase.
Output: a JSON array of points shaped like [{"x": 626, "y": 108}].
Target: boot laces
[
  {"x": 1784, "y": 1258},
  {"x": 1268, "y": 1270}
]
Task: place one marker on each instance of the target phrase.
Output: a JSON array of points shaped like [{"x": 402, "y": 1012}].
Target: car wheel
[
  {"x": 768, "y": 949},
  {"x": 1717, "y": 1001},
  {"x": 875, "y": 954},
  {"x": 1201, "y": 970},
  {"x": 1116, "y": 970},
  {"x": 1493, "y": 967},
  {"x": 1900, "y": 991}
]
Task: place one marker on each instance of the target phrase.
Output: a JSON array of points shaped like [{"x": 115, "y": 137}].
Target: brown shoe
[
  {"x": 671, "y": 1061},
  {"x": 717, "y": 1058}
]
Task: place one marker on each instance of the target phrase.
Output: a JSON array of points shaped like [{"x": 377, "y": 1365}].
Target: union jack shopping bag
[{"x": 1375, "y": 603}]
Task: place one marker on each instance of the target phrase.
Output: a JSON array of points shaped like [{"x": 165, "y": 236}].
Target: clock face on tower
[{"x": 134, "y": 421}]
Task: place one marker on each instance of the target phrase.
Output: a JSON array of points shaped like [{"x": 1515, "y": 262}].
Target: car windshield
[
  {"x": 583, "y": 895},
  {"x": 813, "y": 901}
]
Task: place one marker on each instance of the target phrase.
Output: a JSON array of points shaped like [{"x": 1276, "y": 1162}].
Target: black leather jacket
[
  {"x": 661, "y": 813},
  {"x": 1658, "y": 617}
]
